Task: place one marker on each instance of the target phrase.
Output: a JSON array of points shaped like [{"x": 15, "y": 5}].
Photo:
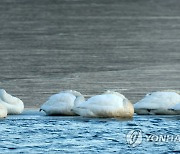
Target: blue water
[{"x": 33, "y": 132}]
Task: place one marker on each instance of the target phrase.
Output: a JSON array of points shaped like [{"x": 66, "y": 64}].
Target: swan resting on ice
[
  {"x": 107, "y": 105},
  {"x": 62, "y": 103},
  {"x": 13, "y": 104},
  {"x": 160, "y": 102}
]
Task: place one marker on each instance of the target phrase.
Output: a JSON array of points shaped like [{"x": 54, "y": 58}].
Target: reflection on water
[{"x": 33, "y": 132}]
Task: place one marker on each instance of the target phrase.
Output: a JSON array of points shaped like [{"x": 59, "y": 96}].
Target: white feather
[
  {"x": 157, "y": 103},
  {"x": 109, "y": 104},
  {"x": 3, "y": 110},
  {"x": 62, "y": 103},
  {"x": 13, "y": 104}
]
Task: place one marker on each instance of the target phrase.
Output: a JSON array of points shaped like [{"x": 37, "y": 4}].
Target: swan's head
[
  {"x": 41, "y": 110},
  {"x": 79, "y": 99}
]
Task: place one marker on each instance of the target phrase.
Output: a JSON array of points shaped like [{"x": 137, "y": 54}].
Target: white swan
[
  {"x": 109, "y": 104},
  {"x": 62, "y": 103},
  {"x": 3, "y": 110},
  {"x": 13, "y": 104},
  {"x": 157, "y": 103}
]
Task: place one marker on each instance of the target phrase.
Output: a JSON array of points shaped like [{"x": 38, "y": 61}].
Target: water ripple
[{"x": 39, "y": 134}]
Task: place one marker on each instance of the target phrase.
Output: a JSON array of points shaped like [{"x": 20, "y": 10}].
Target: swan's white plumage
[
  {"x": 13, "y": 104},
  {"x": 157, "y": 103},
  {"x": 62, "y": 103},
  {"x": 109, "y": 104},
  {"x": 176, "y": 107},
  {"x": 3, "y": 110}
]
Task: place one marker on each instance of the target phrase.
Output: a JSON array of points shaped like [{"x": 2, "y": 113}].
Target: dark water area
[{"x": 33, "y": 132}]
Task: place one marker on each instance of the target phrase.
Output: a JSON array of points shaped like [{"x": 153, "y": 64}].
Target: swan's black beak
[{"x": 40, "y": 110}]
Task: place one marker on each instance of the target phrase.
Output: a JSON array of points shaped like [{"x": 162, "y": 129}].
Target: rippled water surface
[{"x": 33, "y": 132}]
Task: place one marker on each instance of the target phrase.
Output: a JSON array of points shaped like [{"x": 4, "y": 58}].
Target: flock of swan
[{"x": 107, "y": 105}]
